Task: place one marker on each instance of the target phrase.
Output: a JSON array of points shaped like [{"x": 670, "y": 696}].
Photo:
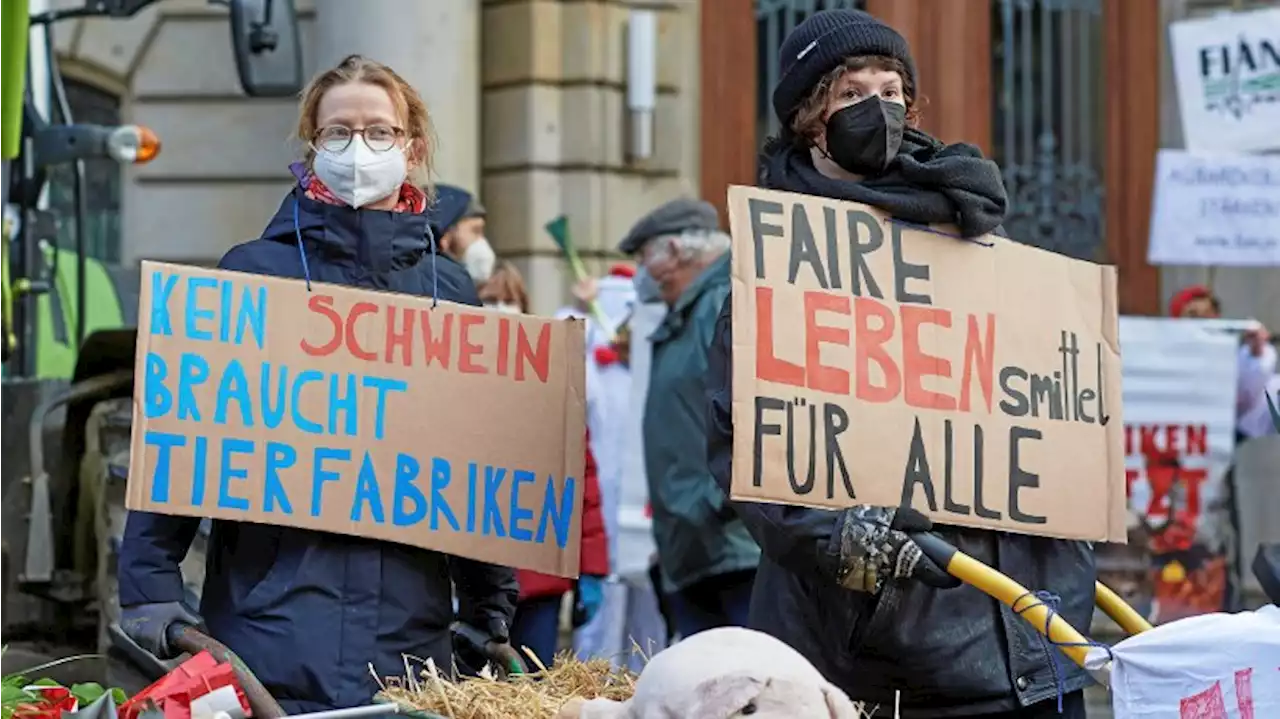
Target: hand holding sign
[
  {"x": 890, "y": 365},
  {"x": 876, "y": 546},
  {"x": 1256, "y": 339}
]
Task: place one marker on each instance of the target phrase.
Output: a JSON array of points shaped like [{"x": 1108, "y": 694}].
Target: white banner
[
  {"x": 1228, "y": 77},
  {"x": 1215, "y": 209},
  {"x": 1179, "y": 389},
  {"x": 1219, "y": 666}
]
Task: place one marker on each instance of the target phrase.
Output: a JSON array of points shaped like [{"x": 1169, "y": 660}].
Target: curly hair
[
  {"x": 409, "y": 105},
  {"x": 808, "y": 121}
]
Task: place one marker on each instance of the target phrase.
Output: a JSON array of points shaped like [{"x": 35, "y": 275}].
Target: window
[
  {"x": 103, "y": 180},
  {"x": 1048, "y": 121}
]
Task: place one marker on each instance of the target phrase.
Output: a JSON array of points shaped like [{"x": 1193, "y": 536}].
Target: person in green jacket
[{"x": 706, "y": 556}]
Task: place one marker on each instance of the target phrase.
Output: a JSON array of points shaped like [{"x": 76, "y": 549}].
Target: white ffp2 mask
[
  {"x": 509, "y": 308},
  {"x": 479, "y": 259},
  {"x": 358, "y": 175}
]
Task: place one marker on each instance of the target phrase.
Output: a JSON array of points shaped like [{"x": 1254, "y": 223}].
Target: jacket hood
[{"x": 378, "y": 240}]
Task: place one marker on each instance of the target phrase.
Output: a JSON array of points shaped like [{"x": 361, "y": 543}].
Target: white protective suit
[{"x": 615, "y": 403}]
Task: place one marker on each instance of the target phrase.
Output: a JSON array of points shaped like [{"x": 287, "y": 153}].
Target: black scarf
[{"x": 928, "y": 182}]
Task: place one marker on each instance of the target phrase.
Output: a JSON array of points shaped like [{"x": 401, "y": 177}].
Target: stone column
[
  {"x": 433, "y": 45},
  {"x": 554, "y": 77}
]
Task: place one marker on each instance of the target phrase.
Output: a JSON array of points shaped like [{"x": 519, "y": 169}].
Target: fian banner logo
[{"x": 1238, "y": 76}]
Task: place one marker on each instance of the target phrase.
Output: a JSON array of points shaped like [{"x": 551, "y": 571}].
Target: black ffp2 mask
[{"x": 865, "y": 136}]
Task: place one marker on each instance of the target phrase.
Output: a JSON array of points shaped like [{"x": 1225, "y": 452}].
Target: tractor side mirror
[{"x": 264, "y": 37}]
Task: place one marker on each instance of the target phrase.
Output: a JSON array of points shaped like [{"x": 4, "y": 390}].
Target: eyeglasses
[
  {"x": 654, "y": 250},
  {"x": 336, "y": 138}
]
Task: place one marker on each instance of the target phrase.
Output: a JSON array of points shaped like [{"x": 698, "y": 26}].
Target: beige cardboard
[
  {"x": 815, "y": 367},
  {"x": 491, "y": 402}
]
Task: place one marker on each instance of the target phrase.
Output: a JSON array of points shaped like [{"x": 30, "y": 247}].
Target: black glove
[
  {"x": 473, "y": 648},
  {"x": 148, "y": 625},
  {"x": 499, "y": 630},
  {"x": 873, "y": 546}
]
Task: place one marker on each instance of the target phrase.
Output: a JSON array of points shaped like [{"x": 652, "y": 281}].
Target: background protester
[
  {"x": 1256, "y": 376},
  {"x": 316, "y": 615},
  {"x": 629, "y": 616},
  {"x": 850, "y": 589},
  {"x": 537, "y": 619},
  {"x": 505, "y": 290},
  {"x": 608, "y": 380},
  {"x": 458, "y": 220},
  {"x": 708, "y": 559}
]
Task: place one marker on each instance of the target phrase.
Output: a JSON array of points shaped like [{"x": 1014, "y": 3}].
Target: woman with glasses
[{"x": 317, "y": 615}]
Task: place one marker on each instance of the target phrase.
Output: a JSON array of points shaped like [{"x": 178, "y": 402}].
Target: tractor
[{"x": 68, "y": 350}]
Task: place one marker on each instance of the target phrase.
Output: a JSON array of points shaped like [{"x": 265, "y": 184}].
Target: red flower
[
  {"x": 53, "y": 701},
  {"x": 607, "y": 355}
]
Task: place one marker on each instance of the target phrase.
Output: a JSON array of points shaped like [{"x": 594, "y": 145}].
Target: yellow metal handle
[
  {"x": 1120, "y": 612},
  {"x": 1018, "y": 598},
  {"x": 996, "y": 585}
]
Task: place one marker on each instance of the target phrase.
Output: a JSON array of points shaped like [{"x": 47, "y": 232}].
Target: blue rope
[
  {"x": 932, "y": 231},
  {"x": 306, "y": 270},
  {"x": 1051, "y": 601},
  {"x": 435, "y": 277},
  {"x": 297, "y": 231}
]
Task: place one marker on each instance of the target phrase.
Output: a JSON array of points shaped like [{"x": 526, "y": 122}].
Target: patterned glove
[{"x": 874, "y": 547}]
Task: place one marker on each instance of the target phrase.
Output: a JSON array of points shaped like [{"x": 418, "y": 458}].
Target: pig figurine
[{"x": 723, "y": 673}]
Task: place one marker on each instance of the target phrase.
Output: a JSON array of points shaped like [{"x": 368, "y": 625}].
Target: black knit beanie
[{"x": 823, "y": 41}]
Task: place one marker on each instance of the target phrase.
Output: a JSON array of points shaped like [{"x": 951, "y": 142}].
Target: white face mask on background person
[
  {"x": 358, "y": 175},
  {"x": 647, "y": 288},
  {"x": 507, "y": 307},
  {"x": 479, "y": 259}
]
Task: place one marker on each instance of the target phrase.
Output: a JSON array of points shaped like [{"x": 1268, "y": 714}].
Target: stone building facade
[{"x": 527, "y": 98}]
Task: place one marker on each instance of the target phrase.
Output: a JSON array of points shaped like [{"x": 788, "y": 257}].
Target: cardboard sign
[
  {"x": 882, "y": 363},
  {"x": 372, "y": 414}
]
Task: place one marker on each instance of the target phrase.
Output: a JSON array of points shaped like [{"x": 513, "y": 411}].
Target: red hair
[{"x": 356, "y": 68}]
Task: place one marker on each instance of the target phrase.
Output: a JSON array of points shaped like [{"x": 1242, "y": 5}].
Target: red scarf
[{"x": 412, "y": 199}]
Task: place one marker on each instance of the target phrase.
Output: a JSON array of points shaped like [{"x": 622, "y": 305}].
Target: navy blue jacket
[{"x": 310, "y": 611}]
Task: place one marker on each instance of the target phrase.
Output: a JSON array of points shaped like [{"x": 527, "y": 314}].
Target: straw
[{"x": 538, "y": 695}]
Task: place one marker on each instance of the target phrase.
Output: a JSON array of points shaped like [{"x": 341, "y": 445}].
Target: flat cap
[{"x": 676, "y": 216}]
